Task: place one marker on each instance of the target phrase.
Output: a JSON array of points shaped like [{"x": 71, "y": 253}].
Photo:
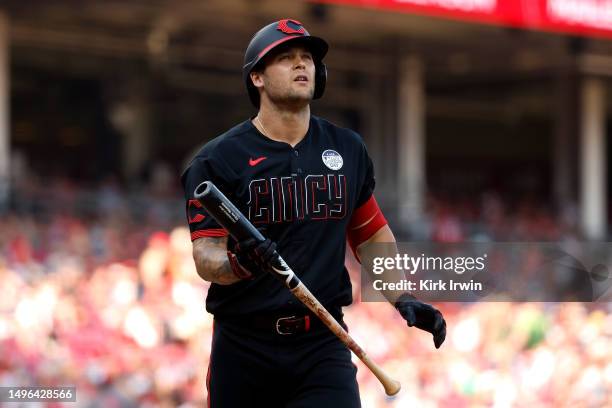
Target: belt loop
[{"x": 307, "y": 323}]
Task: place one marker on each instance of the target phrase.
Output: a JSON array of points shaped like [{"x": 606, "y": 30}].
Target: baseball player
[{"x": 307, "y": 185}]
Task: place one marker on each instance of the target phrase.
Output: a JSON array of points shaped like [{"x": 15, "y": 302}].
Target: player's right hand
[{"x": 255, "y": 257}]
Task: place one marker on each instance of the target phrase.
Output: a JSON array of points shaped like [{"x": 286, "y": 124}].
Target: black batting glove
[
  {"x": 253, "y": 257},
  {"x": 423, "y": 316}
]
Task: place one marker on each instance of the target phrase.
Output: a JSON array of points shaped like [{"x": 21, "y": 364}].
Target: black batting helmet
[{"x": 275, "y": 34}]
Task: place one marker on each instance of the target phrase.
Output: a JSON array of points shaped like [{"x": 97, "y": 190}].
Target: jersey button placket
[{"x": 294, "y": 162}]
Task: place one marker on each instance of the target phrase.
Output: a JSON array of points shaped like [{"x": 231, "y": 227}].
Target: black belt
[{"x": 283, "y": 324}]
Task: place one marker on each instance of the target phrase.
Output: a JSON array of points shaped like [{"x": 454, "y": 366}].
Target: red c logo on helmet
[{"x": 283, "y": 26}]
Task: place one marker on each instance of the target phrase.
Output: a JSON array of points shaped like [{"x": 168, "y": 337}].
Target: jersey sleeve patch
[{"x": 200, "y": 223}]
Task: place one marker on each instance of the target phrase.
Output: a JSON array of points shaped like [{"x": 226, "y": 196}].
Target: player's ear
[{"x": 257, "y": 78}]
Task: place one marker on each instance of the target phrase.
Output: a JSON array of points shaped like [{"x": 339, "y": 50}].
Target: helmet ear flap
[{"x": 320, "y": 80}]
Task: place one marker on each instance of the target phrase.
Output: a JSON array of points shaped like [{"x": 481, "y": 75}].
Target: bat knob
[
  {"x": 390, "y": 385},
  {"x": 393, "y": 388}
]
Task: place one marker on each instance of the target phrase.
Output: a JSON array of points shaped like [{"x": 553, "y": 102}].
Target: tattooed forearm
[{"x": 210, "y": 256}]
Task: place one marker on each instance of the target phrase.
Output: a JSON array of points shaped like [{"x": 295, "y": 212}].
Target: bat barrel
[
  {"x": 225, "y": 213},
  {"x": 238, "y": 226},
  {"x": 203, "y": 189}
]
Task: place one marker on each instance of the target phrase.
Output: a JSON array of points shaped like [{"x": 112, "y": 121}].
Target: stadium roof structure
[{"x": 175, "y": 35}]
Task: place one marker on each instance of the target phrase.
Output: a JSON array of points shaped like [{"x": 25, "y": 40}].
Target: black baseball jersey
[{"x": 301, "y": 197}]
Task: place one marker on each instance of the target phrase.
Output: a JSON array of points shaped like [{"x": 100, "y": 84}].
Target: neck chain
[{"x": 265, "y": 131}]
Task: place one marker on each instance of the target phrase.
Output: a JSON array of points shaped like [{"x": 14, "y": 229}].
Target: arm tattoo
[{"x": 210, "y": 256}]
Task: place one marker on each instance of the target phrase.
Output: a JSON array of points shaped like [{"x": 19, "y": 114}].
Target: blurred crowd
[
  {"x": 99, "y": 290},
  {"x": 492, "y": 216}
]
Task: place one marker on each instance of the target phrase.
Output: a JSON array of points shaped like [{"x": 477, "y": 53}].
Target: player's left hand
[{"x": 423, "y": 316}]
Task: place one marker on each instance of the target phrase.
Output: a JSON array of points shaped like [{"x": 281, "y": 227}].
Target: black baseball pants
[{"x": 265, "y": 369}]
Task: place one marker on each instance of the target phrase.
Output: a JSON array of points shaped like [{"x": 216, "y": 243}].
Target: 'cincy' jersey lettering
[{"x": 284, "y": 199}]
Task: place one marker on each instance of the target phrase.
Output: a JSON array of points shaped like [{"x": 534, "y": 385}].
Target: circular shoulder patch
[{"x": 332, "y": 159}]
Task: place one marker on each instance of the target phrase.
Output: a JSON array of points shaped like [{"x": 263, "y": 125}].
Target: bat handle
[{"x": 390, "y": 385}]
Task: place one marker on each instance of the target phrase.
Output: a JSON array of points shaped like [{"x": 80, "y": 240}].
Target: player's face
[{"x": 289, "y": 76}]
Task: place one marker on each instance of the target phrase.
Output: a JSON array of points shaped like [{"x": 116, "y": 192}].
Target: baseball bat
[{"x": 240, "y": 228}]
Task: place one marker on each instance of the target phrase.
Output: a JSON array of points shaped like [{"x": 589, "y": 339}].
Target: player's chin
[
  {"x": 293, "y": 97},
  {"x": 299, "y": 101},
  {"x": 304, "y": 94}
]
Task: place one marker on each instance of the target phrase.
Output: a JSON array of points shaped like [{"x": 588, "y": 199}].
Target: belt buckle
[{"x": 278, "y": 330}]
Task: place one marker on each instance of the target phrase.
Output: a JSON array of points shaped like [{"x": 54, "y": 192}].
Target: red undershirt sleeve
[{"x": 365, "y": 222}]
